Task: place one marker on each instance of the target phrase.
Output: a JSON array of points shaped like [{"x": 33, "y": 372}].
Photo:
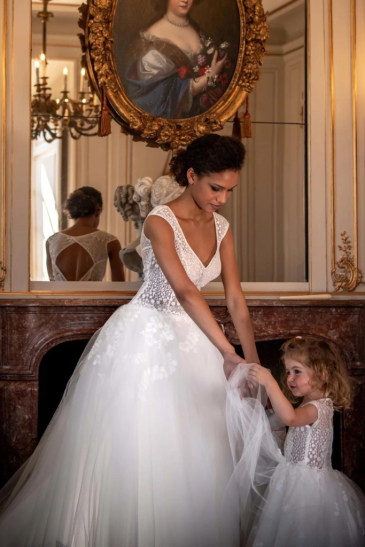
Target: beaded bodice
[
  {"x": 312, "y": 445},
  {"x": 156, "y": 291}
]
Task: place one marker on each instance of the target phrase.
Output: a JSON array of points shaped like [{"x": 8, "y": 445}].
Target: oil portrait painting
[{"x": 175, "y": 58}]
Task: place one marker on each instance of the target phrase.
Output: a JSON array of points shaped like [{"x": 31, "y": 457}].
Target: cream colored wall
[{"x": 329, "y": 92}]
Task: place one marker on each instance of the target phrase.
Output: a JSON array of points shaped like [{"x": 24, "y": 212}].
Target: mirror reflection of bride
[{"x": 175, "y": 71}]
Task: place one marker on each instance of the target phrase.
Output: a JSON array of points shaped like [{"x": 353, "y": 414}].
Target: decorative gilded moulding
[
  {"x": 2, "y": 276},
  {"x": 147, "y": 69},
  {"x": 350, "y": 277}
]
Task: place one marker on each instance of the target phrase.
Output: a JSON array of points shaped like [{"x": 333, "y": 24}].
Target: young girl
[{"x": 297, "y": 500}]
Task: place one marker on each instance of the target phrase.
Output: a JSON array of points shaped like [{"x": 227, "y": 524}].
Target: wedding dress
[
  {"x": 96, "y": 246},
  {"x": 137, "y": 453},
  {"x": 293, "y": 499}
]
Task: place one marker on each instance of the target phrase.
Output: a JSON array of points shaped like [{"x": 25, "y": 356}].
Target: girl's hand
[
  {"x": 218, "y": 65},
  {"x": 231, "y": 361},
  {"x": 261, "y": 375}
]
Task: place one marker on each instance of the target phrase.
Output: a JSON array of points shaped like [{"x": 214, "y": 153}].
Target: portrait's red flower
[
  {"x": 228, "y": 64},
  {"x": 211, "y": 97},
  {"x": 183, "y": 71},
  {"x": 223, "y": 78},
  {"x": 203, "y": 70}
]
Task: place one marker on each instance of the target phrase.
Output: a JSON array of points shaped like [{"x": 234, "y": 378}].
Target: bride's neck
[{"x": 176, "y": 18}]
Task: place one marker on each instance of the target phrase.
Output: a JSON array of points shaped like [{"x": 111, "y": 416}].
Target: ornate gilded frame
[{"x": 97, "y": 18}]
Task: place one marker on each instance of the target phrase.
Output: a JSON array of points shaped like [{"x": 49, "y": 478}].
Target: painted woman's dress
[
  {"x": 159, "y": 78},
  {"x": 137, "y": 454}
]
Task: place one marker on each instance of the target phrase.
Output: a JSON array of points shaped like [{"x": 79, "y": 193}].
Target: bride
[{"x": 137, "y": 454}]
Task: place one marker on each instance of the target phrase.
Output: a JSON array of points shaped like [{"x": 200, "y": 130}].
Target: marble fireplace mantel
[{"x": 31, "y": 327}]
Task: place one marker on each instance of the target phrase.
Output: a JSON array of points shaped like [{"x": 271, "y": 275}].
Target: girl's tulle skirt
[
  {"x": 137, "y": 454},
  {"x": 310, "y": 508},
  {"x": 281, "y": 504}
]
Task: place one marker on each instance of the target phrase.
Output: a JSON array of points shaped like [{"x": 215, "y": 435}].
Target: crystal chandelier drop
[{"x": 50, "y": 118}]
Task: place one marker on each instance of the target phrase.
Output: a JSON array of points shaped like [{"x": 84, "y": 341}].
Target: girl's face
[
  {"x": 180, "y": 8},
  {"x": 299, "y": 378},
  {"x": 211, "y": 191}
]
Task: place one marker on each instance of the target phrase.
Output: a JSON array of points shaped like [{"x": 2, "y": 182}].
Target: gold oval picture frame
[{"x": 123, "y": 58}]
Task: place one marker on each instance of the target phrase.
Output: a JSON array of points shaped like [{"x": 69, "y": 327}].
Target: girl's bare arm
[{"x": 288, "y": 415}]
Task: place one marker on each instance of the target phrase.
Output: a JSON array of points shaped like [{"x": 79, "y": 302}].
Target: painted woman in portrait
[{"x": 175, "y": 71}]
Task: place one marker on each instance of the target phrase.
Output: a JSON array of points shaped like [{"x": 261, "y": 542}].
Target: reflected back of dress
[{"x": 79, "y": 258}]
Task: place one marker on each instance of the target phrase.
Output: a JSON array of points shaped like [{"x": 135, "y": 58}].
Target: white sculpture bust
[{"x": 135, "y": 203}]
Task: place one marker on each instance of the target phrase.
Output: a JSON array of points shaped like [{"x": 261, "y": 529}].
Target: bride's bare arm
[
  {"x": 236, "y": 301},
  {"x": 161, "y": 236}
]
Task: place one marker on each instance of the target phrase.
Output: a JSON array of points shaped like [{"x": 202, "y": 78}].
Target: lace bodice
[
  {"x": 312, "y": 445},
  {"x": 156, "y": 291},
  {"x": 96, "y": 245}
]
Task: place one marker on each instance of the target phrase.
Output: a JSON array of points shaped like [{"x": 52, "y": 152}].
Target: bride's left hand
[{"x": 231, "y": 361}]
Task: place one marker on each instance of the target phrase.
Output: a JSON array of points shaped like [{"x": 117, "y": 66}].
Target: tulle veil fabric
[{"x": 255, "y": 443}]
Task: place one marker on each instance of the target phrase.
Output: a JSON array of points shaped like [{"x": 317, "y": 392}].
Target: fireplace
[{"x": 42, "y": 340}]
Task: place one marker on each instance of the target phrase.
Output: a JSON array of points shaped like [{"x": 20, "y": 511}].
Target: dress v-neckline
[{"x": 188, "y": 244}]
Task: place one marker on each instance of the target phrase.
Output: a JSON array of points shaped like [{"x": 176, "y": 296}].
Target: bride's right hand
[{"x": 231, "y": 361}]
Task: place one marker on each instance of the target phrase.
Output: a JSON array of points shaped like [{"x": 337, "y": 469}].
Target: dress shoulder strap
[
  {"x": 105, "y": 236},
  {"x": 166, "y": 213},
  {"x": 222, "y": 225}
]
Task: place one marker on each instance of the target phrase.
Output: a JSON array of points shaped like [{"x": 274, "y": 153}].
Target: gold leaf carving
[{"x": 349, "y": 276}]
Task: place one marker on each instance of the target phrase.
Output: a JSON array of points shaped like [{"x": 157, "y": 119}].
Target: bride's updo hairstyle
[
  {"x": 83, "y": 202},
  {"x": 327, "y": 366},
  {"x": 209, "y": 154}
]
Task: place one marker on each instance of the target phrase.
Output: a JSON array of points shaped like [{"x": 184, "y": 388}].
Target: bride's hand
[{"x": 231, "y": 361}]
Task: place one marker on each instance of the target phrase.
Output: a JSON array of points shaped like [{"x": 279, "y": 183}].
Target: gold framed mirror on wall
[{"x": 268, "y": 212}]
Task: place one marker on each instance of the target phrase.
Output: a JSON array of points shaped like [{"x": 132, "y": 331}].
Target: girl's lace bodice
[
  {"x": 96, "y": 245},
  {"x": 312, "y": 445},
  {"x": 156, "y": 291}
]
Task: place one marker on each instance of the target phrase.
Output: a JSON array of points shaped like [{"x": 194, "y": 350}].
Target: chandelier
[{"x": 50, "y": 118}]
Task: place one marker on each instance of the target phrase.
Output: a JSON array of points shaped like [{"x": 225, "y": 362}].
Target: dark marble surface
[{"x": 31, "y": 327}]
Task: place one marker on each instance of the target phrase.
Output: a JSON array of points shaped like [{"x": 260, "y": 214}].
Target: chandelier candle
[
  {"x": 65, "y": 72},
  {"x": 43, "y": 65},
  {"x": 36, "y": 64},
  {"x": 82, "y": 80}
]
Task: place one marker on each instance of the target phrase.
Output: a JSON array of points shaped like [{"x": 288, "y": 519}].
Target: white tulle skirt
[
  {"x": 281, "y": 504},
  {"x": 137, "y": 454}
]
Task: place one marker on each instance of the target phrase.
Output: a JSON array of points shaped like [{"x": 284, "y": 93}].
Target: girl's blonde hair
[{"x": 327, "y": 365}]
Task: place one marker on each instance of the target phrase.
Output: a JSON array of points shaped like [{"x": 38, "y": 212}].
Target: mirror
[{"x": 268, "y": 211}]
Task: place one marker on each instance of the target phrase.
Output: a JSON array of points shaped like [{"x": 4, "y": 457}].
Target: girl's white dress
[
  {"x": 291, "y": 500},
  {"x": 137, "y": 454}
]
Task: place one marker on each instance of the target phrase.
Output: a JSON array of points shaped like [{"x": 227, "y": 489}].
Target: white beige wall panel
[
  {"x": 17, "y": 153},
  {"x": 3, "y": 164},
  {"x": 293, "y": 176},
  {"x": 343, "y": 145},
  {"x": 360, "y": 119},
  {"x": 318, "y": 116}
]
